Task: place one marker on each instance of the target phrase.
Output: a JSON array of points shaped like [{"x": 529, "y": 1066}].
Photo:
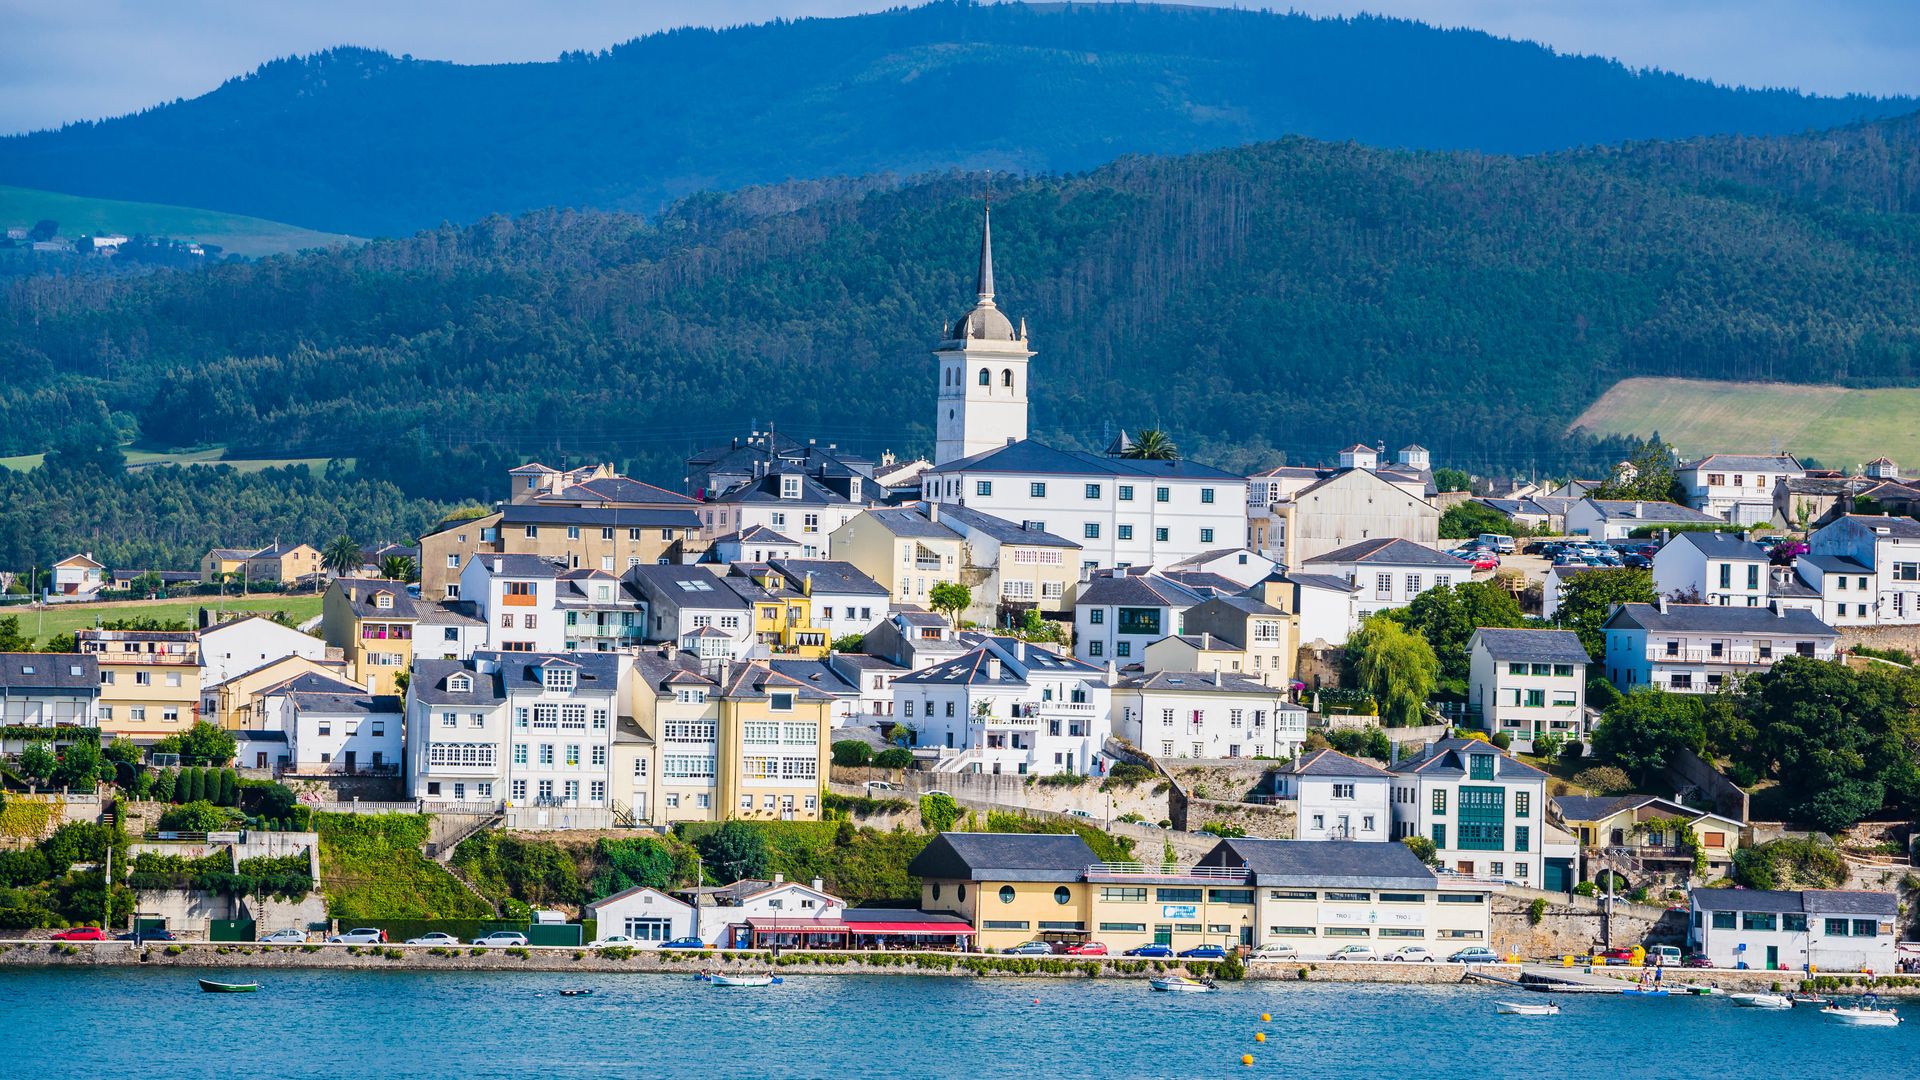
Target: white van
[
  {"x": 549, "y": 917},
  {"x": 1498, "y": 543}
]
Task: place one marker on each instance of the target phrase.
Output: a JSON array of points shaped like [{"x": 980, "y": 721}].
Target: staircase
[
  {"x": 441, "y": 850},
  {"x": 960, "y": 762}
]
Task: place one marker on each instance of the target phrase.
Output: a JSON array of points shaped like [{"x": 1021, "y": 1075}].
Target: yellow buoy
[
  {"x": 1266, "y": 1018},
  {"x": 1246, "y": 1059},
  {"x": 1259, "y": 1036}
]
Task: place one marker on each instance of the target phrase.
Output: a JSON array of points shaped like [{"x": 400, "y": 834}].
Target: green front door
[
  {"x": 1163, "y": 934},
  {"x": 1773, "y": 958}
]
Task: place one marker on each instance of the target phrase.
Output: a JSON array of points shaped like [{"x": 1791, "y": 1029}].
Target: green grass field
[
  {"x": 235, "y": 233},
  {"x": 66, "y": 618},
  {"x": 1840, "y": 428},
  {"x": 210, "y": 455}
]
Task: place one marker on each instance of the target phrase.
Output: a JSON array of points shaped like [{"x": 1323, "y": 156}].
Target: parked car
[
  {"x": 362, "y": 936},
  {"x": 1637, "y": 561},
  {"x": 616, "y": 939},
  {"x": 1150, "y": 949},
  {"x": 1276, "y": 950},
  {"x": 1664, "y": 954},
  {"x": 937, "y": 791},
  {"x": 1204, "y": 952},
  {"x": 284, "y": 937},
  {"x": 1029, "y": 948},
  {"x": 880, "y": 785},
  {"x": 81, "y": 933},
  {"x": 1085, "y": 948},
  {"x": 1075, "y": 811},
  {"x": 1410, "y": 954},
  {"x": 1474, "y": 954},
  {"x": 158, "y": 933},
  {"x": 1618, "y": 955},
  {"x": 1486, "y": 561},
  {"x": 434, "y": 937},
  {"x": 1353, "y": 952},
  {"x": 1698, "y": 960},
  {"x": 684, "y": 943},
  {"x": 501, "y": 937}
]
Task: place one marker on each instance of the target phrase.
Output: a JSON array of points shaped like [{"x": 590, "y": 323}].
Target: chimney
[
  {"x": 1779, "y": 609},
  {"x": 1206, "y": 640},
  {"x": 1113, "y": 673},
  {"x": 819, "y": 885},
  {"x": 993, "y": 668},
  {"x": 779, "y": 878},
  {"x": 1216, "y": 676},
  {"x": 1639, "y": 509},
  {"x": 1663, "y": 604},
  {"x": 933, "y": 512},
  {"x": 1393, "y": 751}
]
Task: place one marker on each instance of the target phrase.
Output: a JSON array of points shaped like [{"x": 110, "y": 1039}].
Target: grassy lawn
[
  {"x": 66, "y": 618},
  {"x": 235, "y": 233},
  {"x": 206, "y": 455},
  {"x": 371, "y": 867},
  {"x": 1841, "y": 427}
]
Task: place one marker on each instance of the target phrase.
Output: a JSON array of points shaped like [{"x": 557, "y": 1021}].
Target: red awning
[
  {"x": 808, "y": 926},
  {"x": 941, "y": 929}
]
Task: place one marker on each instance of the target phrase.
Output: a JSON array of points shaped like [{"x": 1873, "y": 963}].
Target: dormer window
[
  {"x": 789, "y": 487},
  {"x": 558, "y": 678},
  {"x": 460, "y": 684},
  {"x": 383, "y": 601}
]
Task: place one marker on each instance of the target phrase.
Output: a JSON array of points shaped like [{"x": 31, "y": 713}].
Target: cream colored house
[
  {"x": 1345, "y": 508},
  {"x": 1235, "y": 635},
  {"x": 908, "y": 551},
  {"x": 149, "y": 681}
]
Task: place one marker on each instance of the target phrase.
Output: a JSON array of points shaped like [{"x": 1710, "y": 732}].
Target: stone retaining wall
[{"x": 1574, "y": 924}]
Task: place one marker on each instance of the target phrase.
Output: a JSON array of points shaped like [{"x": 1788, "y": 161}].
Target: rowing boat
[
  {"x": 1516, "y": 1008},
  {"x": 212, "y": 987}
]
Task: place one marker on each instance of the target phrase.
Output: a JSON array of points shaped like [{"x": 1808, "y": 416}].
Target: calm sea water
[{"x": 158, "y": 1024}]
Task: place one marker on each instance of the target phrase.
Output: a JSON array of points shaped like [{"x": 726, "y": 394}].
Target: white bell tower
[{"x": 982, "y": 368}]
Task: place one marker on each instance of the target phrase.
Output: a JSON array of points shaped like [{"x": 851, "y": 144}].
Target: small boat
[
  {"x": 212, "y": 987},
  {"x": 744, "y": 980},
  {"x": 1761, "y": 1001},
  {"x": 1180, "y": 984},
  {"x": 1705, "y": 991},
  {"x": 1636, "y": 991},
  {"x": 1516, "y": 1008},
  {"x": 1809, "y": 999},
  {"x": 1862, "y": 1015},
  {"x": 575, "y": 993}
]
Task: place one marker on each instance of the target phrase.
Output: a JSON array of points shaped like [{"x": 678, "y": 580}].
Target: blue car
[
  {"x": 1204, "y": 952},
  {"x": 1155, "y": 949},
  {"x": 684, "y": 943},
  {"x": 1029, "y": 948}
]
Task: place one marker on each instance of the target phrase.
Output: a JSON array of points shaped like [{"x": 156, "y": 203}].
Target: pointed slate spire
[{"x": 986, "y": 256}]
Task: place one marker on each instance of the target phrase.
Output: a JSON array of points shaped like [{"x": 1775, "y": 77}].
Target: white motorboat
[
  {"x": 743, "y": 980},
  {"x": 1180, "y": 984},
  {"x": 1761, "y": 1001},
  {"x": 1861, "y": 1015},
  {"x": 1517, "y": 1008}
]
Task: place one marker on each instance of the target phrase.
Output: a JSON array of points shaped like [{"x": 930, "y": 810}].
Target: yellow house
[
  {"x": 905, "y": 551},
  {"x": 713, "y": 740},
  {"x": 371, "y": 621},
  {"x": 223, "y": 561},
  {"x": 1646, "y": 828},
  {"x": 782, "y": 612},
  {"x": 149, "y": 681},
  {"x": 286, "y": 563},
  {"x": 235, "y": 703},
  {"x": 1010, "y": 887}
]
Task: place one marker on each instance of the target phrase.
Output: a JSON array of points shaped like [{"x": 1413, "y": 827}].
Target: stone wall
[
  {"x": 1906, "y": 638},
  {"x": 1003, "y": 791},
  {"x": 1689, "y": 770},
  {"x": 1274, "y": 821},
  {"x": 1574, "y": 924},
  {"x": 1319, "y": 666}
]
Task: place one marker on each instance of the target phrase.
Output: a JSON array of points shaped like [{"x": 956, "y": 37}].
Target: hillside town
[{"x": 1377, "y": 708}]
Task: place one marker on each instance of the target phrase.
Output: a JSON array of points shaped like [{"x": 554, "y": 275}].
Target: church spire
[{"x": 986, "y": 254}]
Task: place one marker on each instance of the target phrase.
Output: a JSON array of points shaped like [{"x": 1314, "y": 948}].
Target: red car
[
  {"x": 1617, "y": 956},
  {"x": 1486, "y": 561},
  {"x": 81, "y": 933},
  {"x": 1086, "y": 948}
]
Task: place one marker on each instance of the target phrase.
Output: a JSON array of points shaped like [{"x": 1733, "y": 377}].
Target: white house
[
  {"x": 754, "y": 544},
  {"x": 1010, "y": 707},
  {"x": 598, "y": 611},
  {"x": 844, "y": 600},
  {"x": 249, "y": 642},
  {"x": 861, "y": 686},
  {"x": 351, "y": 733},
  {"x": 1307, "y": 513},
  {"x": 1818, "y": 930},
  {"x": 1528, "y": 683},
  {"x": 684, "y": 599},
  {"x": 800, "y": 504},
  {"x": 517, "y": 597},
  {"x": 1616, "y": 519},
  {"x": 752, "y": 909},
  {"x": 1699, "y": 648},
  {"x": 1117, "y": 615},
  {"x": 1337, "y": 797},
  {"x": 1867, "y": 570},
  {"x": 1718, "y": 568},
  {"x": 642, "y": 913},
  {"x": 1737, "y": 487},
  {"x": 1320, "y": 606},
  {"x": 1389, "y": 573},
  {"x": 1211, "y": 714},
  {"x": 76, "y": 577},
  {"x": 1238, "y": 565},
  {"x": 1484, "y": 811}
]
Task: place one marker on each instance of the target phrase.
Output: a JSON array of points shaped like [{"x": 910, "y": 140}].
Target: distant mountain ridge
[{"x": 358, "y": 141}]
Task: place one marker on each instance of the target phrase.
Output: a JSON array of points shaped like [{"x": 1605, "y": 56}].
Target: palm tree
[
  {"x": 341, "y": 555},
  {"x": 399, "y": 568},
  {"x": 1152, "y": 444}
]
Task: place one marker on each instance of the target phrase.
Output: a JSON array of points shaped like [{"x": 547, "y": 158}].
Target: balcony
[
  {"x": 107, "y": 656},
  {"x": 1735, "y": 657},
  {"x": 926, "y": 564}
]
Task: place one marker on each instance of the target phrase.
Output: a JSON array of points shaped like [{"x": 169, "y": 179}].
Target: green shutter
[{"x": 1482, "y": 814}]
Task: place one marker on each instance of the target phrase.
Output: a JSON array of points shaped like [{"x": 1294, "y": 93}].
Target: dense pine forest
[{"x": 364, "y": 142}]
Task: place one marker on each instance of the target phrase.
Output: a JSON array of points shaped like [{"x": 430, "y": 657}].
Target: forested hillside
[{"x": 363, "y": 142}]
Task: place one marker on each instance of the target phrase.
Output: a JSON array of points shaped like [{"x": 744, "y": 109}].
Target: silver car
[
  {"x": 284, "y": 937},
  {"x": 434, "y": 938},
  {"x": 501, "y": 937},
  {"x": 361, "y": 936}
]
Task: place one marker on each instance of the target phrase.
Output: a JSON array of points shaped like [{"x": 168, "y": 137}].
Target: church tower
[{"x": 983, "y": 374}]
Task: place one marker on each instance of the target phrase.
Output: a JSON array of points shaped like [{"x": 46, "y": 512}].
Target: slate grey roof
[
  {"x": 1810, "y": 901},
  {"x": 817, "y": 674},
  {"x": 1594, "y": 807},
  {"x": 1794, "y": 585},
  {"x": 1004, "y": 857},
  {"x": 1028, "y": 456},
  {"x": 1391, "y": 551},
  {"x": 1334, "y": 763},
  {"x": 519, "y": 670},
  {"x": 968, "y": 669},
  {"x": 1749, "y": 462},
  {"x": 756, "y": 534},
  {"x": 1136, "y": 590},
  {"x": 1836, "y": 564},
  {"x": 429, "y": 684},
  {"x": 1202, "y": 682},
  {"x": 1204, "y": 581},
  {"x": 830, "y": 576},
  {"x": 1448, "y": 758},
  {"x": 1712, "y": 618},
  {"x": 515, "y": 515},
  {"x": 25, "y": 671},
  {"x": 360, "y": 593},
  {"x": 447, "y": 613},
  {"x": 683, "y": 586},
  {"x": 1324, "y": 863},
  {"x": 1723, "y": 545},
  {"x": 1824, "y": 485},
  {"x": 1321, "y": 581},
  {"x": 1903, "y": 527},
  {"x": 1645, "y": 510},
  {"x": 1007, "y": 532},
  {"x": 912, "y": 524},
  {"x": 1533, "y": 646},
  {"x": 344, "y": 704},
  {"x": 525, "y": 566},
  {"x": 619, "y": 489}
]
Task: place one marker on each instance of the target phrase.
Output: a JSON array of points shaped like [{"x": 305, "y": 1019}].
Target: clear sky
[{"x": 84, "y": 59}]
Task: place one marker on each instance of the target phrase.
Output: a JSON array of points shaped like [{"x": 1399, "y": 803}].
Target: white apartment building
[
  {"x": 1010, "y": 707},
  {"x": 1485, "y": 812},
  {"x": 1117, "y": 615},
  {"x": 796, "y": 504},
  {"x": 348, "y": 732},
  {"x": 1337, "y": 797},
  {"x": 1818, "y": 930},
  {"x": 1388, "y": 573},
  {"x": 1191, "y": 714},
  {"x": 1616, "y": 519},
  {"x": 1866, "y": 570},
  {"x": 1528, "y": 683},
  {"x": 682, "y": 600},
  {"x": 517, "y": 598},
  {"x": 1737, "y": 487},
  {"x": 599, "y": 612},
  {"x": 249, "y": 642},
  {"x": 1700, "y": 648},
  {"x": 1718, "y": 568},
  {"x": 524, "y": 731}
]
